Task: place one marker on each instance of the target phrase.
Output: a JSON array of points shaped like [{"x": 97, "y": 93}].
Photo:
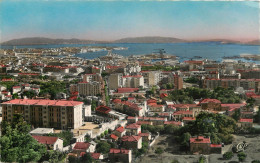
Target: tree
[
  {"x": 250, "y": 102},
  {"x": 255, "y": 161},
  {"x": 241, "y": 156},
  {"x": 202, "y": 159},
  {"x": 103, "y": 147},
  {"x": 15, "y": 96},
  {"x": 228, "y": 155},
  {"x": 185, "y": 140},
  {"x": 67, "y": 137},
  {"x": 159, "y": 150},
  {"x": 257, "y": 116},
  {"x": 17, "y": 145},
  {"x": 236, "y": 115}
]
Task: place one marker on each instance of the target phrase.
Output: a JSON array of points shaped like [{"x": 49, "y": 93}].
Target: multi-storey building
[
  {"x": 89, "y": 88},
  {"x": 45, "y": 113},
  {"x": 115, "y": 81},
  {"x": 178, "y": 82},
  {"x": 133, "y": 81},
  {"x": 247, "y": 84},
  {"x": 92, "y": 77}
]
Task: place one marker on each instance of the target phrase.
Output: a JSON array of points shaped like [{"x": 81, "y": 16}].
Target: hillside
[
  {"x": 150, "y": 39},
  {"x": 44, "y": 41}
]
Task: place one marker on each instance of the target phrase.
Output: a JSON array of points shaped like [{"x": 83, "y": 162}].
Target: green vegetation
[
  {"x": 51, "y": 88},
  {"x": 188, "y": 95},
  {"x": 93, "y": 105},
  {"x": 159, "y": 150},
  {"x": 160, "y": 67},
  {"x": 255, "y": 161},
  {"x": 250, "y": 102},
  {"x": 202, "y": 159},
  {"x": 228, "y": 155},
  {"x": 29, "y": 94},
  {"x": 143, "y": 150},
  {"x": 167, "y": 86},
  {"x": 9, "y": 85},
  {"x": 85, "y": 159},
  {"x": 241, "y": 156},
  {"x": 191, "y": 80},
  {"x": 65, "y": 135},
  {"x": 103, "y": 147},
  {"x": 257, "y": 116},
  {"x": 17, "y": 145},
  {"x": 236, "y": 115}
]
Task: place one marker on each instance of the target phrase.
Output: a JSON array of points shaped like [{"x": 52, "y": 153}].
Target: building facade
[{"x": 58, "y": 114}]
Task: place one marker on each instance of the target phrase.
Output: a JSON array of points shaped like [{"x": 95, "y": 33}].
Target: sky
[{"x": 111, "y": 20}]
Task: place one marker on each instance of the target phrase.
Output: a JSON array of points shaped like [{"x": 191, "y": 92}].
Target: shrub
[
  {"x": 241, "y": 156},
  {"x": 228, "y": 155}
]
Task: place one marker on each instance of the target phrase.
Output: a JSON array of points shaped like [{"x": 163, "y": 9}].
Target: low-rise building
[
  {"x": 52, "y": 143},
  {"x": 132, "y": 142},
  {"x": 120, "y": 155}
]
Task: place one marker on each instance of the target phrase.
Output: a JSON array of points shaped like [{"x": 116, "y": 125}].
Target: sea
[{"x": 185, "y": 51}]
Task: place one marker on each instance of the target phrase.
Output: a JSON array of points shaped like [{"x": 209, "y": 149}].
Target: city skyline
[{"x": 108, "y": 21}]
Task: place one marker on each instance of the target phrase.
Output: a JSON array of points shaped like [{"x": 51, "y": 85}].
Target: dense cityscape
[
  {"x": 140, "y": 108},
  {"x": 132, "y": 81}
]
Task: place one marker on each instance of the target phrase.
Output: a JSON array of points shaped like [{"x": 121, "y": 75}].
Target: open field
[{"x": 171, "y": 151}]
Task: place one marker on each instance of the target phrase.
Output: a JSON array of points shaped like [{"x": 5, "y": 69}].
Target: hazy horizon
[{"x": 108, "y": 21}]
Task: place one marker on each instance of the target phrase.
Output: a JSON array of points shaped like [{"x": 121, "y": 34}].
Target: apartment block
[
  {"x": 89, "y": 88},
  {"x": 58, "y": 114}
]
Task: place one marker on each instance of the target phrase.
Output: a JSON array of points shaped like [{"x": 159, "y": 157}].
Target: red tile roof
[
  {"x": 95, "y": 155},
  {"x": 194, "y": 62},
  {"x": 189, "y": 118},
  {"x": 182, "y": 112},
  {"x": 81, "y": 146},
  {"x": 233, "y": 105},
  {"x": 131, "y": 138},
  {"x": 122, "y": 151},
  {"x": 215, "y": 145},
  {"x": 45, "y": 139},
  {"x": 178, "y": 123},
  {"x": 103, "y": 109},
  {"x": 133, "y": 126},
  {"x": 114, "y": 136},
  {"x": 209, "y": 101},
  {"x": 43, "y": 102},
  {"x": 144, "y": 134},
  {"x": 143, "y": 122},
  {"x": 120, "y": 129},
  {"x": 199, "y": 139},
  {"x": 127, "y": 90},
  {"x": 246, "y": 120}
]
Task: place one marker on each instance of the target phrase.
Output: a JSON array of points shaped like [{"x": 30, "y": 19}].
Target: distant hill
[
  {"x": 224, "y": 41},
  {"x": 254, "y": 42},
  {"x": 44, "y": 41},
  {"x": 149, "y": 39}
]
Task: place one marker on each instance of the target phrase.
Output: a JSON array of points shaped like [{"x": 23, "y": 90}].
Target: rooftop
[
  {"x": 43, "y": 102},
  {"x": 45, "y": 139}
]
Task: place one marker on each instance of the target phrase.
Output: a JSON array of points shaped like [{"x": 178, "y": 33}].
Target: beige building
[
  {"x": 89, "y": 88},
  {"x": 247, "y": 84},
  {"x": 45, "y": 113},
  {"x": 133, "y": 81},
  {"x": 115, "y": 81},
  {"x": 92, "y": 77}
]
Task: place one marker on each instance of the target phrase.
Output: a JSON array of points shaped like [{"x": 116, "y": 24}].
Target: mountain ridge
[{"x": 145, "y": 39}]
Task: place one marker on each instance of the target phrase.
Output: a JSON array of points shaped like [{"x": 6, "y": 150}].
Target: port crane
[{"x": 160, "y": 51}]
